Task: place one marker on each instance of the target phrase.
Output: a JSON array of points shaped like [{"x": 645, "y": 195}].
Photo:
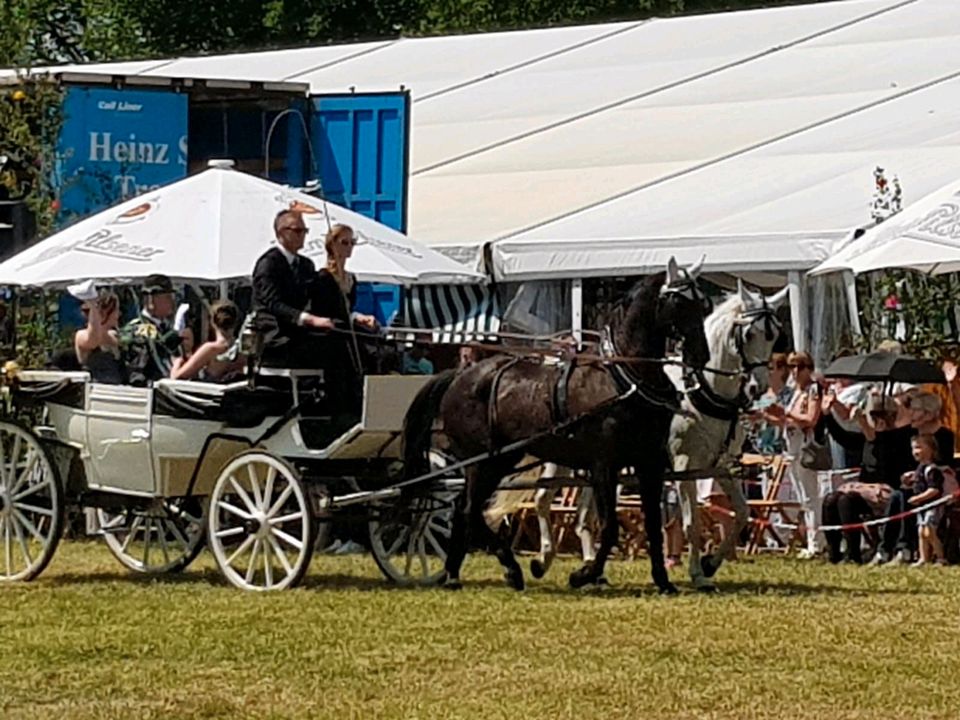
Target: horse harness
[{"x": 626, "y": 382}]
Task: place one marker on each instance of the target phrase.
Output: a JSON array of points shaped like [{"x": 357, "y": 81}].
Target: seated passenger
[
  {"x": 149, "y": 340},
  {"x": 335, "y": 298},
  {"x": 97, "y": 346},
  {"x": 214, "y": 361},
  {"x": 337, "y": 289}
]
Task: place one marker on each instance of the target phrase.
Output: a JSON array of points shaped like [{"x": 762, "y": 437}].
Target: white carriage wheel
[
  {"x": 409, "y": 537},
  {"x": 164, "y": 538},
  {"x": 31, "y": 504},
  {"x": 260, "y": 523}
]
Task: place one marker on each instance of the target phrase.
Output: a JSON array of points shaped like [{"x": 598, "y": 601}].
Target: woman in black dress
[
  {"x": 337, "y": 291},
  {"x": 335, "y": 297},
  {"x": 96, "y": 345}
]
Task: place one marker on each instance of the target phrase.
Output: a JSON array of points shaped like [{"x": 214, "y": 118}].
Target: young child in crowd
[{"x": 927, "y": 485}]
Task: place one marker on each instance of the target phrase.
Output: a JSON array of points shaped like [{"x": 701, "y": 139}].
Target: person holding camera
[
  {"x": 799, "y": 422},
  {"x": 97, "y": 346}
]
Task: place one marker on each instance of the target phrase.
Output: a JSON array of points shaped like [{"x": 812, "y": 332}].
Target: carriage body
[{"x": 153, "y": 460}]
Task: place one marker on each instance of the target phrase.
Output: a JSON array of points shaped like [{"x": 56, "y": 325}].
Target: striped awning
[{"x": 451, "y": 313}]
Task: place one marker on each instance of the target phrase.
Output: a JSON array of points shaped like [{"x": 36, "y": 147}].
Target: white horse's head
[{"x": 743, "y": 329}]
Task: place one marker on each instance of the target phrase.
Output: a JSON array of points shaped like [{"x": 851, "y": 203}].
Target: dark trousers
[
  {"x": 900, "y": 534},
  {"x": 843, "y": 508}
]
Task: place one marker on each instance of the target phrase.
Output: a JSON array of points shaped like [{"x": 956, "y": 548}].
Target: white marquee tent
[{"x": 602, "y": 149}]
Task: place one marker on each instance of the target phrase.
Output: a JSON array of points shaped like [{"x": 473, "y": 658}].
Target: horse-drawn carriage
[{"x": 255, "y": 469}]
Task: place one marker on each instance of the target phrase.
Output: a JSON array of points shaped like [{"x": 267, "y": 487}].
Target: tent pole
[
  {"x": 853, "y": 310},
  {"x": 224, "y": 289},
  {"x": 798, "y": 309},
  {"x": 576, "y": 310}
]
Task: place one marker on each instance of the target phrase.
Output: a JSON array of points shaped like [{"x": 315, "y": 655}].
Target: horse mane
[
  {"x": 637, "y": 315},
  {"x": 647, "y": 287},
  {"x": 721, "y": 324}
]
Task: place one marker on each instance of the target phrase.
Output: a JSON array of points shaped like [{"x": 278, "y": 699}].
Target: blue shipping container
[
  {"x": 118, "y": 143},
  {"x": 362, "y": 145}
]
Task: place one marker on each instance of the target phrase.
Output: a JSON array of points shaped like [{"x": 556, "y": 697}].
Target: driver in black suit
[{"x": 285, "y": 285}]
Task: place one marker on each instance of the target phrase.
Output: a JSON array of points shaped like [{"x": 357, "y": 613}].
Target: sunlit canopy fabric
[
  {"x": 925, "y": 237},
  {"x": 213, "y": 226},
  {"x": 749, "y": 135}
]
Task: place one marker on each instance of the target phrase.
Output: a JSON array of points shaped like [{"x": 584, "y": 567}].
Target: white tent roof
[
  {"x": 586, "y": 150},
  {"x": 925, "y": 237}
]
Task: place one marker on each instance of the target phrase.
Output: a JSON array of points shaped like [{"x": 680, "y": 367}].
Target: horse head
[
  {"x": 665, "y": 306},
  {"x": 756, "y": 327}
]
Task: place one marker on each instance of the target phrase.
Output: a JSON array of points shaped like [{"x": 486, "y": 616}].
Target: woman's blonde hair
[{"x": 335, "y": 235}]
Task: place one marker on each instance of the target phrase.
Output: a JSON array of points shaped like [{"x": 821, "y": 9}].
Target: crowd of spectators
[{"x": 884, "y": 448}]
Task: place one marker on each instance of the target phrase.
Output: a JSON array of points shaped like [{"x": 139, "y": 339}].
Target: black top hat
[{"x": 157, "y": 285}]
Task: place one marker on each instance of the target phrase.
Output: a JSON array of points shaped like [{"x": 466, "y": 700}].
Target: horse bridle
[
  {"x": 706, "y": 400},
  {"x": 686, "y": 288},
  {"x": 771, "y": 329}
]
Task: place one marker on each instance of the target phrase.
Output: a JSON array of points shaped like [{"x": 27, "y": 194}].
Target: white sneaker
[
  {"x": 806, "y": 554},
  {"x": 919, "y": 563},
  {"x": 901, "y": 558},
  {"x": 879, "y": 559}
]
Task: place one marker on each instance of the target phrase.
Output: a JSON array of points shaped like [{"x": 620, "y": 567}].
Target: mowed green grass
[{"x": 783, "y": 639}]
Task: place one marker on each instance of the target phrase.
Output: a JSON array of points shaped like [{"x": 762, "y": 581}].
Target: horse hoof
[
  {"x": 709, "y": 566},
  {"x": 452, "y": 584},
  {"x": 537, "y": 569},
  {"x": 707, "y": 589},
  {"x": 514, "y": 579},
  {"x": 669, "y": 589}
]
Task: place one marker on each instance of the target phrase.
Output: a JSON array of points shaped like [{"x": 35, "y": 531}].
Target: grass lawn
[{"x": 784, "y": 639}]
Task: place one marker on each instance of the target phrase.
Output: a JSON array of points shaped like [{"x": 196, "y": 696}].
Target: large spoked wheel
[
  {"x": 261, "y": 525},
  {"x": 164, "y": 538},
  {"x": 31, "y": 504},
  {"x": 409, "y": 535}
]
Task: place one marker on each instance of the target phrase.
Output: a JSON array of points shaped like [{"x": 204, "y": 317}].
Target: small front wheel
[
  {"x": 409, "y": 535},
  {"x": 162, "y": 539},
  {"x": 260, "y": 523}
]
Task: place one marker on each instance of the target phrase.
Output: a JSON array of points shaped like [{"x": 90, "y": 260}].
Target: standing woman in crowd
[
  {"x": 772, "y": 405},
  {"x": 799, "y": 423}
]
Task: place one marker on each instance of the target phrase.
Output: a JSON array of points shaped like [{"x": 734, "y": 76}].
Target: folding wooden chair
[
  {"x": 563, "y": 519},
  {"x": 632, "y": 541},
  {"x": 762, "y": 510}
]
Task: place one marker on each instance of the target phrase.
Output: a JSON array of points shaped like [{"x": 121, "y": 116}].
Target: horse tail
[{"x": 418, "y": 423}]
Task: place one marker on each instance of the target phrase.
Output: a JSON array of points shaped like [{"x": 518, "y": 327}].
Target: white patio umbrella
[
  {"x": 213, "y": 226},
  {"x": 924, "y": 237}
]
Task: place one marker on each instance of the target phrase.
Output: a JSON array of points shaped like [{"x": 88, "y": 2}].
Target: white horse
[{"x": 741, "y": 332}]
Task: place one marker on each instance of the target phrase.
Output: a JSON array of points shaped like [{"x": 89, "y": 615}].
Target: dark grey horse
[{"x": 612, "y": 415}]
